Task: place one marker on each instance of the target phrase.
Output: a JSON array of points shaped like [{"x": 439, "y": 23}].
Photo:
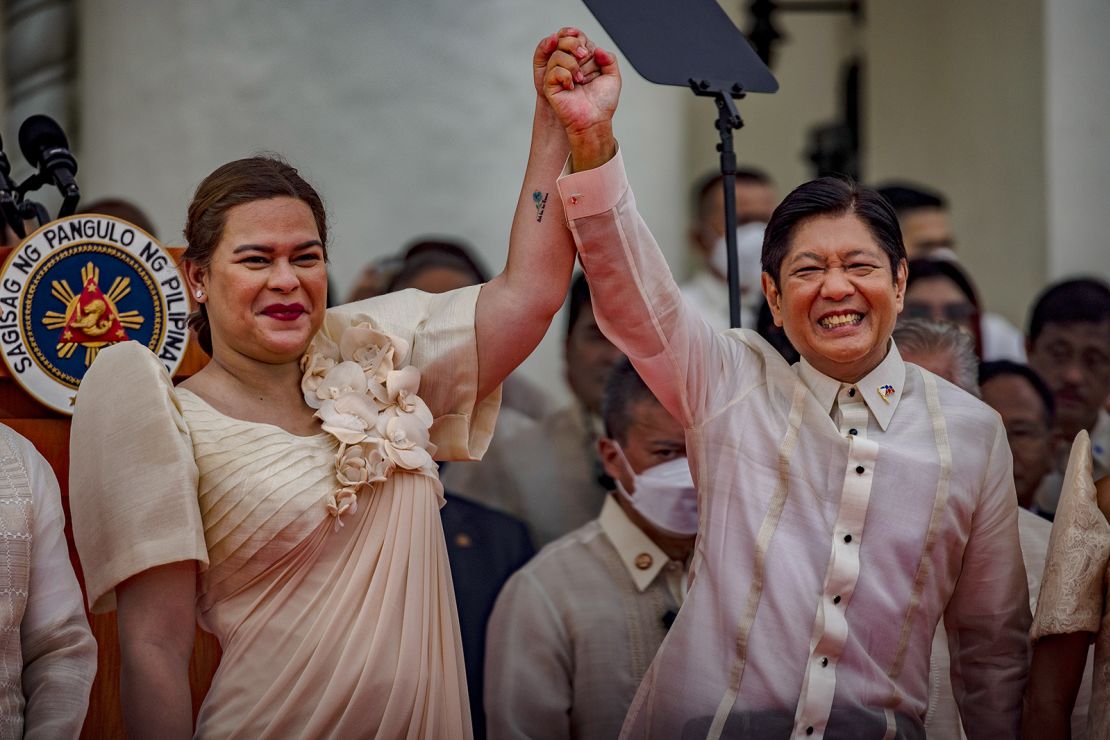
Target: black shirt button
[
  {"x": 851, "y": 394},
  {"x": 836, "y": 599},
  {"x": 853, "y": 432},
  {"x": 809, "y": 730},
  {"x": 860, "y": 469},
  {"x": 847, "y": 538},
  {"x": 824, "y": 662}
]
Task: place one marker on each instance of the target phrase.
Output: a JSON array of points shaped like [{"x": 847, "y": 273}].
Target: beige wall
[
  {"x": 411, "y": 118},
  {"x": 954, "y": 100},
  {"x": 808, "y": 67}
]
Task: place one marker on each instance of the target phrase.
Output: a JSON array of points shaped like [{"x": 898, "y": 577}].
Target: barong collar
[
  {"x": 881, "y": 388},
  {"x": 631, "y": 544}
]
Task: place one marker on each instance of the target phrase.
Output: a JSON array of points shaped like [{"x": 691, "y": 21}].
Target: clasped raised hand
[{"x": 582, "y": 83}]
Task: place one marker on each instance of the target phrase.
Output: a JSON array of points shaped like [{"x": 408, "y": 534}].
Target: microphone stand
[
  {"x": 9, "y": 202},
  {"x": 30, "y": 209},
  {"x": 71, "y": 194},
  {"x": 728, "y": 118}
]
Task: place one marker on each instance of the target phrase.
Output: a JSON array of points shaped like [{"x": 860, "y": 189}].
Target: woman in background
[{"x": 940, "y": 290}]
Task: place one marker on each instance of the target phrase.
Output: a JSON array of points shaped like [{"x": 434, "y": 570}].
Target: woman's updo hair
[{"x": 233, "y": 184}]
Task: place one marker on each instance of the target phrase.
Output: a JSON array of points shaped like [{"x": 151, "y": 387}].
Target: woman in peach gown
[{"x": 286, "y": 496}]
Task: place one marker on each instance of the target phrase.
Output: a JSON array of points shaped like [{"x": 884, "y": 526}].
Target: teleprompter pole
[{"x": 728, "y": 119}]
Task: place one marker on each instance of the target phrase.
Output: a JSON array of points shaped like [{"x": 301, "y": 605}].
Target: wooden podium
[{"x": 49, "y": 432}]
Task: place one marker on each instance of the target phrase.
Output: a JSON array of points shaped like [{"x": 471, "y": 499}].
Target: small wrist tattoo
[{"x": 540, "y": 199}]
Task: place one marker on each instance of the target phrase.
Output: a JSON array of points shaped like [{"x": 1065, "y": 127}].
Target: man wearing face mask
[
  {"x": 574, "y": 631},
  {"x": 707, "y": 290},
  {"x": 557, "y": 490}
]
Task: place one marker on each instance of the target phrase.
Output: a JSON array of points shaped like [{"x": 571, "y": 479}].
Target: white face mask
[
  {"x": 749, "y": 251},
  {"x": 665, "y": 495}
]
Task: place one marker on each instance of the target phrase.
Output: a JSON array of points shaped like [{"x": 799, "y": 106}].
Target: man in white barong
[
  {"x": 846, "y": 503},
  {"x": 47, "y": 652}
]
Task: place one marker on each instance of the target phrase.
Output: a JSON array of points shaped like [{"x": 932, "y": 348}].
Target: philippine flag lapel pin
[{"x": 885, "y": 392}]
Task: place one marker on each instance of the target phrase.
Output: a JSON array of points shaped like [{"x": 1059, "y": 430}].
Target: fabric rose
[
  {"x": 365, "y": 395},
  {"x": 405, "y": 441},
  {"x": 349, "y": 417},
  {"x": 361, "y": 465},
  {"x": 401, "y": 386},
  {"x": 344, "y": 501},
  {"x": 375, "y": 352},
  {"x": 322, "y": 356},
  {"x": 343, "y": 379}
]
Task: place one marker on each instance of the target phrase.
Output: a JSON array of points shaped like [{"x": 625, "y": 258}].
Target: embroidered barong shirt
[
  {"x": 47, "y": 653},
  {"x": 838, "y": 522},
  {"x": 575, "y": 630}
]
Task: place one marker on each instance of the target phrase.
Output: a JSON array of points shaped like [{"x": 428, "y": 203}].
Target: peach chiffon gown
[{"x": 326, "y": 632}]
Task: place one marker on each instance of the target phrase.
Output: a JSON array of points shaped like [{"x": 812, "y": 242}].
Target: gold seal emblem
[{"x": 91, "y": 319}]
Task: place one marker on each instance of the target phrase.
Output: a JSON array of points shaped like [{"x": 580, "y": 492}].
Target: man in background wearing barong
[
  {"x": 47, "y": 653},
  {"x": 576, "y": 628}
]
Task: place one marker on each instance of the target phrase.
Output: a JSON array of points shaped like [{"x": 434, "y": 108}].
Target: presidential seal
[{"x": 76, "y": 286}]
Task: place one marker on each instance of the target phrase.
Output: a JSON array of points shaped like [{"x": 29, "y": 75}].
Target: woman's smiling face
[
  {"x": 837, "y": 299},
  {"x": 265, "y": 287}
]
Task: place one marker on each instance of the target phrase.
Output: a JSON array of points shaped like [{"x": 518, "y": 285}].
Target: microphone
[{"x": 45, "y": 147}]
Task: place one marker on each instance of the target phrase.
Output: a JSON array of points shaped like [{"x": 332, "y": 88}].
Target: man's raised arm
[{"x": 635, "y": 298}]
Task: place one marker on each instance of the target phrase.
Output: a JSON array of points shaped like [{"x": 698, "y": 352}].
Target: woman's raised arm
[{"x": 516, "y": 307}]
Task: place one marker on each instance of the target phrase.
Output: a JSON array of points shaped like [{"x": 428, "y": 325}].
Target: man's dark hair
[
  {"x": 775, "y": 336},
  {"x": 578, "y": 297},
  {"x": 1075, "y": 301},
  {"x": 924, "y": 268},
  {"x": 705, "y": 184},
  {"x": 904, "y": 197},
  {"x": 426, "y": 254},
  {"x": 1001, "y": 368},
  {"x": 624, "y": 388},
  {"x": 831, "y": 196}
]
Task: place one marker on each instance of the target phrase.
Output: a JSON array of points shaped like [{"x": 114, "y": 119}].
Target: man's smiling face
[{"x": 837, "y": 299}]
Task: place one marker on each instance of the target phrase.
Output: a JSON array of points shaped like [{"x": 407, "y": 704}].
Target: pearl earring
[{"x": 200, "y": 294}]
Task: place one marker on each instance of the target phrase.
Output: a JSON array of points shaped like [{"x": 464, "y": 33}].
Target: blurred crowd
[{"x": 558, "y": 640}]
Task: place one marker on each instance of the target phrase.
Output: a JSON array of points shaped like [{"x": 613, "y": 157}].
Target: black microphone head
[{"x": 37, "y": 134}]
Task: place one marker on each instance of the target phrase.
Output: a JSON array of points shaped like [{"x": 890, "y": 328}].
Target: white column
[
  {"x": 954, "y": 94},
  {"x": 1077, "y": 136}
]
